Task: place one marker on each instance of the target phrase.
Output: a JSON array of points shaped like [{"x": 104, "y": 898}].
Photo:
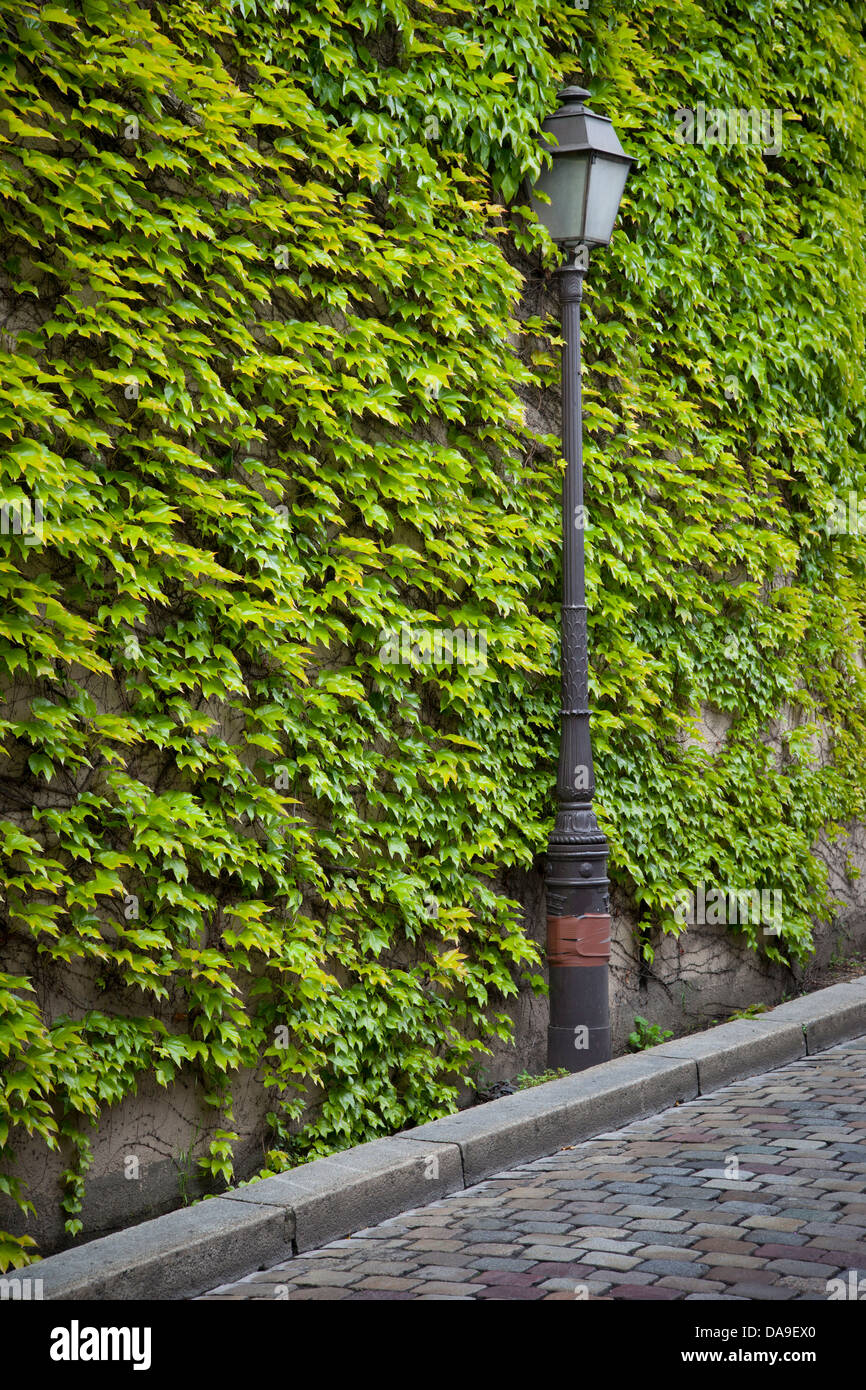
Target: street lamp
[{"x": 584, "y": 183}]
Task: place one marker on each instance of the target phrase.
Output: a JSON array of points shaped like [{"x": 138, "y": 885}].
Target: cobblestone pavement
[{"x": 757, "y": 1191}]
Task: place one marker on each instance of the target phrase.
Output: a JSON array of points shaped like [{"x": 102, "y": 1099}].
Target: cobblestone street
[{"x": 756, "y": 1191}]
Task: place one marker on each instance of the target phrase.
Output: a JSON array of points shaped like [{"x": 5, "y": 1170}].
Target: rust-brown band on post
[{"x": 578, "y": 940}]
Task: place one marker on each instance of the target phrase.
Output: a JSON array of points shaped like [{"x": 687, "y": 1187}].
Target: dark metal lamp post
[{"x": 584, "y": 182}]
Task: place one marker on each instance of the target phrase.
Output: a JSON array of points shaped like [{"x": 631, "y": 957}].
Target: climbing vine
[{"x": 281, "y": 474}]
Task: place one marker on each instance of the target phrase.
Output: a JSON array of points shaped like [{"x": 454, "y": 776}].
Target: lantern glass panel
[
  {"x": 606, "y": 185},
  {"x": 565, "y": 184}
]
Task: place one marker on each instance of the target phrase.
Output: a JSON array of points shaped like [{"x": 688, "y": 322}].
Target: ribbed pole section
[{"x": 576, "y": 885}]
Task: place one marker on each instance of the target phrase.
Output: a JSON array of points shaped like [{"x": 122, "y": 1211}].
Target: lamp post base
[
  {"x": 561, "y": 1054},
  {"x": 579, "y": 993}
]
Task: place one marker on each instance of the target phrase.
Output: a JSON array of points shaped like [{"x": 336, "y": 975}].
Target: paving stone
[
  {"x": 762, "y": 1291},
  {"x": 827, "y": 1228},
  {"x": 724, "y": 1246},
  {"x": 691, "y": 1285},
  {"x": 643, "y": 1210},
  {"x": 319, "y": 1295},
  {"x": 332, "y": 1277},
  {"x": 800, "y": 1267},
  {"x": 660, "y": 1227},
  {"x": 713, "y": 1298},
  {"x": 729, "y": 1274},
  {"x": 640, "y": 1292},
  {"x": 790, "y": 1239},
  {"x": 633, "y": 1276},
  {"x": 843, "y": 1259},
  {"x": 445, "y": 1287},
  {"x": 508, "y": 1293},
  {"x": 664, "y": 1252},
  {"x": 721, "y": 1260},
  {"x": 604, "y": 1232},
  {"x": 670, "y": 1240},
  {"x": 492, "y": 1278},
  {"x": 565, "y": 1254},
  {"x": 501, "y": 1262},
  {"x": 672, "y": 1267},
  {"x": 712, "y": 1229},
  {"x": 617, "y": 1247},
  {"x": 495, "y": 1249},
  {"x": 385, "y": 1266},
  {"x": 773, "y": 1252},
  {"x": 637, "y": 1188},
  {"x": 595, "y": 1221},
  {"x": 386, "y": 1281},
  {"x": 604, "y": 1259},
  {"x": 745, "y": 1205},
  {"x": 545, "y": 1227},
  {"x": 536, "y": 1238},
  {"x": 442, "y": 1246},
  {"x": 551, "y": 1269},
  {"x": 773, "y": 1223},
  {"x": 839, "y": 1242},
  {"x": 715, "y": 1216},
  {"x": 503, "y": 1234},
  {"x": 802, "y": 1285},
  {"x": 380, "y": 1295},
  {"x": 569, "y": 1285}
]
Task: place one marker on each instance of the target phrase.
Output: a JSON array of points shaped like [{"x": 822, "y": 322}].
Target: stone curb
[
  {"x": 187, "y": 1252},
  {"x": 169, "y": 1257},
  {"x": 332, "y": 1196}
]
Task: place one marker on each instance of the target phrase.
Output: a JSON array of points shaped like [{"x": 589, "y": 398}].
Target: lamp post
[{"x": 584, "y": 182}]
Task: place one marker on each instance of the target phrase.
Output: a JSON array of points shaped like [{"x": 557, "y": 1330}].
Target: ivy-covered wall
[{"x": 280, "y": 516}]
